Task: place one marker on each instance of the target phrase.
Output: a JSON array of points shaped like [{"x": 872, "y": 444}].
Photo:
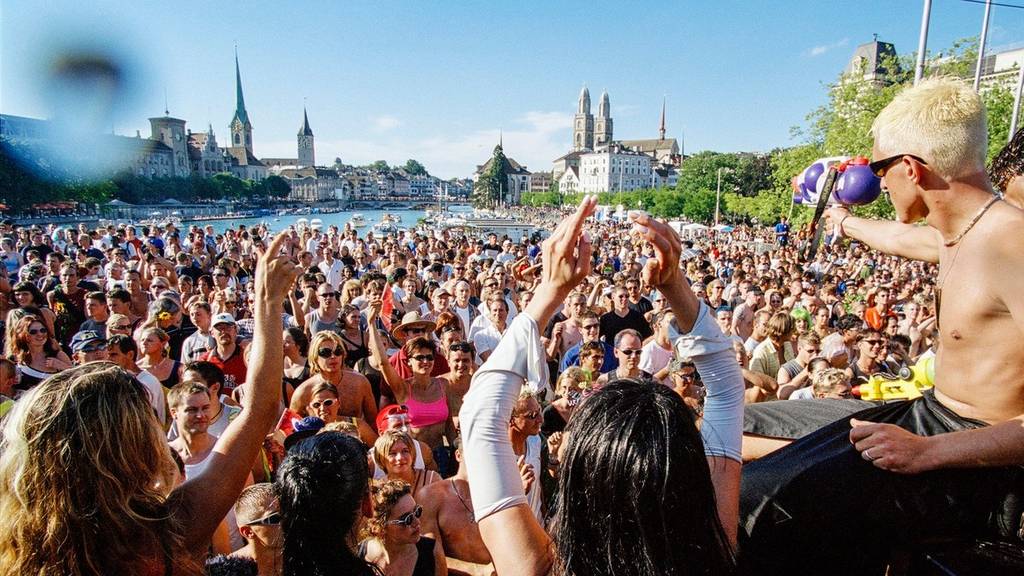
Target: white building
[{"x": 614, "y": 170}]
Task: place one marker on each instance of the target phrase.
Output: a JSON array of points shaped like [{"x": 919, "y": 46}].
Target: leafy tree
[
  {"x": 277, "y": 187},
  {"x": 229, "y": 186},
  {"x": 490, "y": 189},
  {"x": 415, "y": 168},
  {"x": 378, "y": 166}
]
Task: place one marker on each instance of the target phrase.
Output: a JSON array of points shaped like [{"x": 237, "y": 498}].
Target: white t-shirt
[
  {"x": 155, "y": 391},
  {"x": 653, "y": 358}
]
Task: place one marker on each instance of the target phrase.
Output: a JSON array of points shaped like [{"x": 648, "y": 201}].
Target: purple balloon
[{"x": 858, "y": 186}]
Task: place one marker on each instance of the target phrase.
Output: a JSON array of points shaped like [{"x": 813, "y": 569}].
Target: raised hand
[
  {"x": 275, "y": 272},
  {"x": 566, "y": 253},
  {"x": 663, "y": 269}
]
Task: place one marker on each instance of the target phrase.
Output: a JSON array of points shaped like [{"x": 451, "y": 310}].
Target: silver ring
[{"x": 867, "y": 455}]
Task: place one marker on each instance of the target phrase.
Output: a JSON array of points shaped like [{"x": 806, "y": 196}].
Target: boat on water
[
  {"x": 316, "y": 224},
  {"x": 357, "y": 221},
  {"x": 386, "y": 227},
  {"x": 301, "y": 223}
]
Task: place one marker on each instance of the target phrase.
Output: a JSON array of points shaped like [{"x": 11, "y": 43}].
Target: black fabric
[
  {"x": 817, "y": 507},
  {"x": 425, "y": 560},
  {"x": 793, "y": 419}
]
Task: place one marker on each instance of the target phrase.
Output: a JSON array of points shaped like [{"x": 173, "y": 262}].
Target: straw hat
[{"x": 412, "y": 320}]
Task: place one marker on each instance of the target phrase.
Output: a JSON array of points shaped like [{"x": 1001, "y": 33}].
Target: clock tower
[
  {"x": 241, "y": 128},
  {"x": 305, "y": 139}
]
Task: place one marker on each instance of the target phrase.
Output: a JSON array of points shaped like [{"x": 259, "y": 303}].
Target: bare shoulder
[{"x": 355, "y": 378}]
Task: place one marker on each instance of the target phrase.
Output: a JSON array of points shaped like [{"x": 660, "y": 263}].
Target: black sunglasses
[
  {"x": 461, "y": 347},
  {"x": 272, "y": 520},
  {"x": 881, "y": 167},
  {"x": 408, "y": 518},
  {"x": 423, "y": 357},
  {"x": 328, "y": 352}
]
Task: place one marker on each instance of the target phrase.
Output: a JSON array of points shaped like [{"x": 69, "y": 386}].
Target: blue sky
[{"x": 436, "y": 81}]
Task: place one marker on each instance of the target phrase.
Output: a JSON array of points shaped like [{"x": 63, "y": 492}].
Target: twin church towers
[{"x": 590, "y": 133}]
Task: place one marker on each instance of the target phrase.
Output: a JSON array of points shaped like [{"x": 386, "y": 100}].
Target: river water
[{"x": 407, "y": 219}]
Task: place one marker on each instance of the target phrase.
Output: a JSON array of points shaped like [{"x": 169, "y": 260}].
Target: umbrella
[
  {"x": 724, "y": 228},
  {"x": 695, "y": 227}
]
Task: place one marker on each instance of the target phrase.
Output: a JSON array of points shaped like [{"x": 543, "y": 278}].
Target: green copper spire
[{"x": 240, "y": 114}]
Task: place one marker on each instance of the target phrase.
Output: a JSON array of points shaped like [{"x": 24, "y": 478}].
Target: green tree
[
  {"x": 277, "y": 187},
  {"x": 378, "y": 166},
  {"x": 490, "y": 189},
  {"x": 229, "y": 186},
  {"x": 414, "y": 168}
]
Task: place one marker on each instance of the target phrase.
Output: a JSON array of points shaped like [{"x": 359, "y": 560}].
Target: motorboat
[{"x": 357, "y": 221}]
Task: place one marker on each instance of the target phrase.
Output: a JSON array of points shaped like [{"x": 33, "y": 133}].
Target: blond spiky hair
[{"x": 941, "y": 120}]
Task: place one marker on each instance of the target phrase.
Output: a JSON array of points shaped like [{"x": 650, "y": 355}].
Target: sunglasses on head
[
  {"x": 328, "y": 352},
  {"x": 461, "y": 347},
  {"x": 408, "y": 518},
  {"x": 325, "y": 403},
  {"x": 272, "y": 520}
]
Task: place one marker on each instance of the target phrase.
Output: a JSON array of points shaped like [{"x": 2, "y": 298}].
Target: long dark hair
[
  {"x": 634, "y": 489},
  {"x": 321, "y": 486}
]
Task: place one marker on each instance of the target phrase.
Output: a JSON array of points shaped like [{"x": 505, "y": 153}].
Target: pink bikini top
[{"x": 423, "y": 414}]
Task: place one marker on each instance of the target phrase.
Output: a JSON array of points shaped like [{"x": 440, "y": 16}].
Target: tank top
[
  {"x": 234, "y": 368},
  {"x": 30, "y": 377},
  {"x": 316, "y": 324},
  {"x": 355, "y": 352},
  {"x": 173, "y": 377},
  {"x": 423, "y": 414}
]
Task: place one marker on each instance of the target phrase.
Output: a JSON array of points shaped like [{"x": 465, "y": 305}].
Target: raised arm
[
  {"x": 379, "y": 354},
  {"x": 699, "y": 337},
  {"x": 896, "y": 238},
  {"x": 518, "y": 543},
  {"x": 206, "y": 498}
]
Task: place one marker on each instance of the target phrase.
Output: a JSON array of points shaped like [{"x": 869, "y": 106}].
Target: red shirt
[{"x": 234, "y": 368}]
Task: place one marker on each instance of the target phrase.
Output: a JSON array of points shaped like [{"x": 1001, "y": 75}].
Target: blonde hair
[
  {"x": 942, "y": 120},
  {"x": 824, "y": 381},
  {"x": 386, "y": 441},
  {"x": 85, "y": 469},
  {"x": 318, "y": 341},
  {"x": 254, "y": 502}
]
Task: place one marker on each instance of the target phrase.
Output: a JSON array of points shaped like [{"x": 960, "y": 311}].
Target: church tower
[
  {"x": 306, "y": 156},
  {"x": 603, "y": 124},
  {"x": 241, "y": 128},
  {"x": 583, "y": 124}
]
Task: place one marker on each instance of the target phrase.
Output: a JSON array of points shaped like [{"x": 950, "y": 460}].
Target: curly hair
[
  {"x": 86, "y": 471},
  {"x": 384, "y": 494},
  {"x": 1009, "y": 162}
]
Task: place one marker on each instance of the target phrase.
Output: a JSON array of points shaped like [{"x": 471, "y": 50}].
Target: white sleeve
[
  {"x": 712, "y": 353},
  {"x": 486, "y": 412}
]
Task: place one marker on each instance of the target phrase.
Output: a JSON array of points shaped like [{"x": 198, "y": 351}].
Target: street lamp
[{"x": 718, "y": 194}]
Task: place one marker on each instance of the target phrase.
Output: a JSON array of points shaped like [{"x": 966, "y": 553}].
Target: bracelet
[{"x": 839, "y": 226}]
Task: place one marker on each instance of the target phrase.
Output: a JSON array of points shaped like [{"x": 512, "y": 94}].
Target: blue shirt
[{"x": 572, "y": 358}]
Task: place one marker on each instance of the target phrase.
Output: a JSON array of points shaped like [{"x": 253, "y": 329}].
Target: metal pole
[
  {"x": 981, "y": 45},
  {"x": 1016, "y": 101},
  {"x": 922, "y": 43},
  {"x": 718, "y": 194}
]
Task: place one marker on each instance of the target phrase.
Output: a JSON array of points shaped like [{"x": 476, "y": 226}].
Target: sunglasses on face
[
  {"x": 36, "y": 331},
  {"x": 423, "y": 357},
  {"x": 530, "y": 415},
  {"x": 490, "y": 285},
  {"x": 632, "y": 352},
  {"x": 590, "y": 327},
  {"x": 325, "y": 403},
  {"x": 272, "y": 520},
  {"x": 416, "y": 330},
  {"x": 881, "y": 167},
  {"x": 328, "y": 352},
  {"x": 328, "y": 295},
  {"x": 94, "y": 348},
  {"x": 874, "y": 342},
  {"x": 408, "y": 518},
  {"x": 122, "y": 327}
]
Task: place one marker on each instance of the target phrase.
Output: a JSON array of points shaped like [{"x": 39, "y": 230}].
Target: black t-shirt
[
  {"x": 612, "y": 324},
  {"x": 643, "y": 306}
]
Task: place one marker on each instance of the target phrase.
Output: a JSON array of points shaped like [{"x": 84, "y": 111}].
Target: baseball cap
[
  {"x": 388, "y": 412},
  {"x": 222, "y": 318},
  {"x": 82, "y": 339}
]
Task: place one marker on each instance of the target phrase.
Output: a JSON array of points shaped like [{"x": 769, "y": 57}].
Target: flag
[{"x": 388, "y": 300}]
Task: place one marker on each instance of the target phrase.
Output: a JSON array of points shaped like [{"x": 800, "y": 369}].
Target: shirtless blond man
[{"x": 968, "y": 433}]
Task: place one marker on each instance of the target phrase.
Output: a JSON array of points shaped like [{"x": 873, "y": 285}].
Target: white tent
[{"x": 695, "y": 227}]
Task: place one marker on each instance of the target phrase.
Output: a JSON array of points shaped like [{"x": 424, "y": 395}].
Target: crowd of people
[{"x": 323, "y": 401}]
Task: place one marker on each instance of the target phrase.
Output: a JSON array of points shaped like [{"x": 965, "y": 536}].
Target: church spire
[
  {"x": 584, "y": 104},
  {"x": 305, "y": 131},
  {"x": 661, "y": 130},
  {"x": 240, "y": 114}
]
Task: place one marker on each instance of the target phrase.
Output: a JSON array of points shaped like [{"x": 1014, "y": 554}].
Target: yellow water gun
[{"x": 911, "y": 382}]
